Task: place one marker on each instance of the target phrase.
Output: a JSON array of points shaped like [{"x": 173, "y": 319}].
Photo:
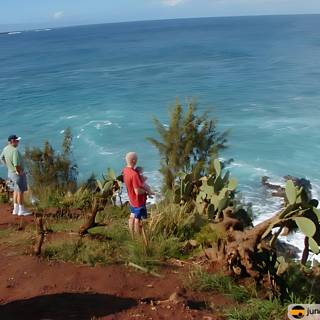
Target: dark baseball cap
[{"x": 14, "y": 137}]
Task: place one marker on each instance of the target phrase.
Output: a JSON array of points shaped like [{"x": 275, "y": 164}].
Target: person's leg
[
  {"x": 23, "y": 187},
  {"x": 15, "y": 197},
  {"x": 137, "y": 226},
  {"x": 131, "y": 224},
  {"x": 19, "y": 198},
  {"x": 142, "y": 214},
  {"x": 14, "y": 187},
  {"x": 15, "y": 203}
]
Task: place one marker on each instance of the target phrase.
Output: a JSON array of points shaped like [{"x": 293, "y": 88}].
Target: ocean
[{"x": 259, "y": 76}]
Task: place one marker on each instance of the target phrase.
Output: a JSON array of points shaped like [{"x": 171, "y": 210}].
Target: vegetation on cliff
[{"x": 201, "y": 217}]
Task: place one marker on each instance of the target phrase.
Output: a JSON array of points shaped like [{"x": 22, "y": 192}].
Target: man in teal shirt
[{"x": 12, "y": 158}]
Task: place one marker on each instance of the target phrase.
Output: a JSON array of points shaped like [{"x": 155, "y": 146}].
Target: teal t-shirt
[{"x": 12, "y": 158}]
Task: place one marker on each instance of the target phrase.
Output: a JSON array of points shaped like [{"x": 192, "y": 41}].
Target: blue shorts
[
  {"x": 18, "y": 181},
  {"x": 139, "y": 213}
]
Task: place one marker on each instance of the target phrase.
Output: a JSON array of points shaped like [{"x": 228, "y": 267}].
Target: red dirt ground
[{"x": 34, "y": 288}]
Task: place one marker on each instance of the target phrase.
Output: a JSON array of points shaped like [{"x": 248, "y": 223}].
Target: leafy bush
[
  {"x": 188, "y": 144},
  {"x": 50, "y": 169}
]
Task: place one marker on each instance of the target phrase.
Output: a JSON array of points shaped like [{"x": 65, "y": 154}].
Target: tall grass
[
  {"x": 257, "y": 309},
  {"x": 85, "y": 251},
  {"x": 64, "y": 225},
  {"x": 154, "y": 253},
  {"x": 170, "y": 219},
  {"x": 200, "y": 280}
]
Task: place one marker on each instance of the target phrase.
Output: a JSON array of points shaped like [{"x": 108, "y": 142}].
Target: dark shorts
[
  {"x": 139, "y": 213},
  {"x": 18, "y": 181}
]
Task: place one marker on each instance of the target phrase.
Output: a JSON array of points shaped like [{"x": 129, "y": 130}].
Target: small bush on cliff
[
  {"x": 52, "y": 170},
  {"x": 190, "y": 143}
]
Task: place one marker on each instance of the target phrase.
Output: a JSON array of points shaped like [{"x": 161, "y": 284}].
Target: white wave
[
  {"x": 68, "y": 117},
  {"x": 235, "y": 164},
  {"x": 105, "y": 153},
  {"x": 101, "y": 150},
  {"x": 42, "y": 30},
  {"x": 244, "y": 167},
  {"x": 98, "y": 124},
  {"x": 62, "y": 131},
  {"x": 261, "y": 170},
  {"x": 15, "y": 32},
  {"x": 292, "y": 124}
]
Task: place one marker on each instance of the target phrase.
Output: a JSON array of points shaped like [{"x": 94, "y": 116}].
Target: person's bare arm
[
  {"x": 2, "y": 159},
  {"x": 148, "y": 190},
  {"x": 19, "y": 170},
  {"x": 139, "y": 191}
]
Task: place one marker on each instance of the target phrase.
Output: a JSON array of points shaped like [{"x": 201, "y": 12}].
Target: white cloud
[
  {"x": 172, "y": 3},
  {"x": 58, "y": 15}
]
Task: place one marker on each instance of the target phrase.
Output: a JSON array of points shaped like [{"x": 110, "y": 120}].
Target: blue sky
[{"x": 29, "y": 13}]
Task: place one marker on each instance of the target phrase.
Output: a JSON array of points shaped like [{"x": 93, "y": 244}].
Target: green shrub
[
  {"x": 301, "y": 284},
  {"x": 210, "y": 234},
  {"x": 188, "y": 144},
  {"x": 54, "y": 170}
]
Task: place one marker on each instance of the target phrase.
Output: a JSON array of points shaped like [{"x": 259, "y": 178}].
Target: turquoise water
[{"x": 259, "y": 75}]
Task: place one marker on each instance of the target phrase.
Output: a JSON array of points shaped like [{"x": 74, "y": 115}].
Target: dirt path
[{"x": 32, "y": 288}]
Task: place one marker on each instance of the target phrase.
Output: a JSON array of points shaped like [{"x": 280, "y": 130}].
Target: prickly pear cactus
[
  {"x": 303, "y": 211},
  {"x": 211, "y": 194}
]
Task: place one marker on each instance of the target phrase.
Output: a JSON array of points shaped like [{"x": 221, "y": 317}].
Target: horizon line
[{"x": 150, "y": 20}]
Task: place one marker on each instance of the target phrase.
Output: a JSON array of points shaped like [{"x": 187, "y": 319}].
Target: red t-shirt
[{"x": 133, "y": 181}]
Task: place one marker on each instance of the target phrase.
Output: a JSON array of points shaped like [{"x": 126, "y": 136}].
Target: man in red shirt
[{"x": 136, "y": 192}]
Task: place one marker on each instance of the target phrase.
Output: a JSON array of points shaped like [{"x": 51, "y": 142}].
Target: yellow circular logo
[{"x": 298, "y": 312}]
